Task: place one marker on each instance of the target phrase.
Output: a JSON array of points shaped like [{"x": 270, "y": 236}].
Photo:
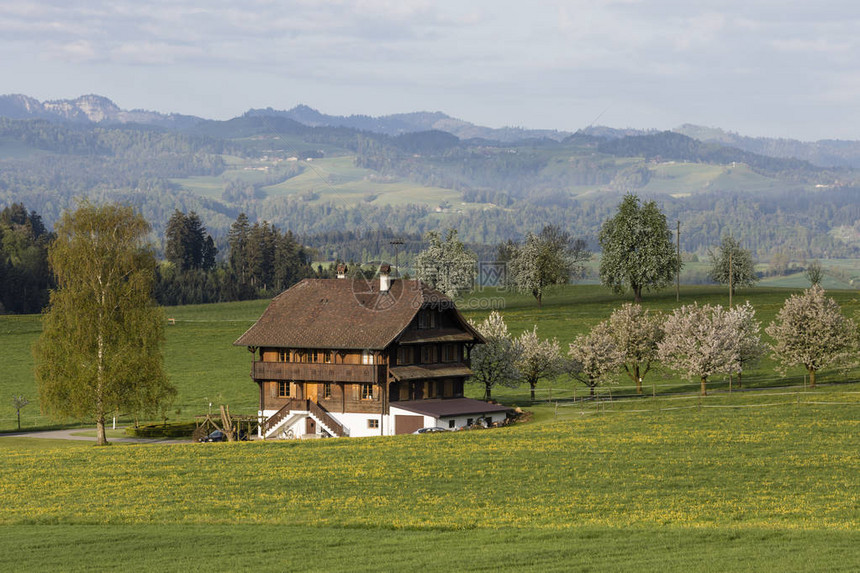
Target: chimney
[
  {"x": 341, "y": 271},
  {"x": 384, "y": 277}
]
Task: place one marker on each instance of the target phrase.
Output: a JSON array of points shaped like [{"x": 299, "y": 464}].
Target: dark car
[{"x": 216, "y": 436}]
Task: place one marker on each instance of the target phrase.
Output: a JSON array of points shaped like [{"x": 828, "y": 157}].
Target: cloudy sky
[{"x": 758, "y": 67}]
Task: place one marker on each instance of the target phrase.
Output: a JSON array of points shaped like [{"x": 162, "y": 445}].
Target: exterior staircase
[{"x": 293, "y": 410}]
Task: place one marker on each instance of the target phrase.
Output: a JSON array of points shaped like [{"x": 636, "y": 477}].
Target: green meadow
[
  {"x": 206, "y": 368},
  {"x": 766, "y": 478},
  {"x": 748, "y": 481}
]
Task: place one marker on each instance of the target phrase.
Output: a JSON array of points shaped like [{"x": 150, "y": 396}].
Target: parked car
[
  {"x": 429, "y": 430},
  {"x": 216, "y": 436}
]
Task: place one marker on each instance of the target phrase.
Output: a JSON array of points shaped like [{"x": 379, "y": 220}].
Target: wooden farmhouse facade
[{"x": 354, "y": 357}]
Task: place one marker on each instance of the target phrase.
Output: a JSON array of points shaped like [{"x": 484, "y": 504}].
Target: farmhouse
[{"x": 356, "y": 357}]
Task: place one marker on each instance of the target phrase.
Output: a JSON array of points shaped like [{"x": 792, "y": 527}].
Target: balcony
[{"x": 298, "y": 371}]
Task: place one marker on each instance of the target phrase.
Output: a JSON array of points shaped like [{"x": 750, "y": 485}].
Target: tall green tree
[
  {"x": 187, "y": 245},
  {"x": 448, "y": 265},
  {"x": 100, "y": 347},
  {"x": 548, "y": 258},
  {"x": 732, "y": 265},
  {"x": 637, "y": 248}
]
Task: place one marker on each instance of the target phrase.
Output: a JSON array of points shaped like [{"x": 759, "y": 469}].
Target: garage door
[{"x": 407, "y": 424}]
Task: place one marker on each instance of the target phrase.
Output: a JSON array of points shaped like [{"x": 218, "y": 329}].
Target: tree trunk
[
  {"x": 638, "y": 379},
  {"x": 532, "y": 384},
  {"x": 101, "y": 439},
  {"x": 487, "y": 396},
  {"x": 592, "y": 391},
  {"x": 704, "y": 387},
  {"x": 227, "y": 424},
  {"x": 637, "y": 293},
  {"x": 539, "y": 296},
  {"x": 740, "y": 379},
  {"x": 19, "y": 419},
  {"x": 811, "y": 378}
]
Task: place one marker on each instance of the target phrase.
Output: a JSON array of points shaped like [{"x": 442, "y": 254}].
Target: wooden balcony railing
[{"x": 298, "y": 371}]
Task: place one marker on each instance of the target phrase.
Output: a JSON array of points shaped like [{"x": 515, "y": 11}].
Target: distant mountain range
[{"x": 89, "y": 109}]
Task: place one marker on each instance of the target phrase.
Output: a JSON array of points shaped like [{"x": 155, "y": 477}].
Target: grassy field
[
  {"x": 748, "y": 481},
  {"x": 206, "y": 368}
]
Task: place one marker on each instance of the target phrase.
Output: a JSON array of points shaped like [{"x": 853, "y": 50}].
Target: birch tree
[
  {"x": 448, "y": 266},
  {"x": 699, "y": 341},
  {"x": 100, "y": 347},
  {"x": 811, "y": 331},
  {"x": 594, "y": 357},
  {"x": 636, "y": 333},
  {"x": 494, "y": 363},
  {"x": 539, "y": 359}
]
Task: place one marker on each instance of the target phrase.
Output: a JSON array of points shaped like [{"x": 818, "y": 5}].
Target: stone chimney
[
  {"x": 341, "y": 271},
  {"x": 384, "y": 277}
]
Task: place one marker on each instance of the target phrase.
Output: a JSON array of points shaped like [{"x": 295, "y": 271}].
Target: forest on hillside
[{"x": 771, "y": 205}]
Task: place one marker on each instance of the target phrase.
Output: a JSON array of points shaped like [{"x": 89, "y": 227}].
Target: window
[
  {"x": 283, "y": 389},
  {"x": 428, "y": 354},
  {"x": 470, "y": 421},
  {"x": 372, "y": 423},
  {"x": 367, "y": 357},
  {"x": 452, "y": 423},
  {"x": 367, "y": 391},
  {"x": 327, "y": 391},
  {"x": 316, "y": 356},
  {"x": 427, "y": 319},
  {"x": 404, "y": 355},
  {"x": 283, "y": 356},
  {"x": 449, "y": 353},
  {"x": 327, "y": 357}
]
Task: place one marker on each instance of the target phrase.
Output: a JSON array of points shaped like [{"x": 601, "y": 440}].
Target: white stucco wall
[{"x": 358, "y": 427}]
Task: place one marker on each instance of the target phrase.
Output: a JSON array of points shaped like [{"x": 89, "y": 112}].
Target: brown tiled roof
[
  {"x": 340, "y": 314},
  {"x": 448, "y": 407},
  {"x": 429, "y": 371},
  {"x": 435, "y": 335}
]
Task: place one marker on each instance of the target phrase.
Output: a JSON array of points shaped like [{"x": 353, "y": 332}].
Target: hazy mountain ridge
[
  {"x": 98, "y": 109},
  {"x": 824, "y": 152},
  {"x": 89, "y": 108}
]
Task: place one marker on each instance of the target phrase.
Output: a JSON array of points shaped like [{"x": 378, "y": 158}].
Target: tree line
[
  {"x": 696, "y": 341},
  {"x": 260, "y": 261}
]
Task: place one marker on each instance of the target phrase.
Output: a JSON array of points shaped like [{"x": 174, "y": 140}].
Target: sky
[{"x": 756, "y": 67}]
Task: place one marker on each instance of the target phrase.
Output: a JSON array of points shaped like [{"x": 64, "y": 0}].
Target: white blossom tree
[
  {"x": 539, "y": 359},
  {"x": 636, "y": 333},
  {"x": 549, "y": 258},
  {"x": 494, "y": 363},
  {"x": 810, "y": 330},
  {"x": 594, "y": 357},
  {"x": 448, "y": 266},
  {"x": 748, "y": 342},
  {"x": 699, "y": 341}
]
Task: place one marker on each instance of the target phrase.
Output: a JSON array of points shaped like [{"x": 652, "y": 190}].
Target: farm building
[{"x": 356, "y": 357}]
